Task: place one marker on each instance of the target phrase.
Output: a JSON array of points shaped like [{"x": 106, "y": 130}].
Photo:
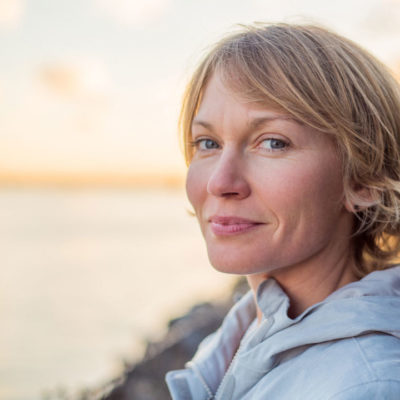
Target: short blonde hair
[{"x": 330, "y": 83}]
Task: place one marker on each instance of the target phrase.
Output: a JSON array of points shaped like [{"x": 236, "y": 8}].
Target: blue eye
[
  {"x": 273, "y": 144},
  {"x": 206, "y": 144}
]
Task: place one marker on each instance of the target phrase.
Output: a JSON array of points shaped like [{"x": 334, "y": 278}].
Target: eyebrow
[
  {"x": 260, "y": 121},
  {"x": 254, "y": 123}
]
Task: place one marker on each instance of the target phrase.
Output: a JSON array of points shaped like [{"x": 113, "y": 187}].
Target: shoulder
[
  {"x": 379, "y": 354},
  {"x": 354, "y": 368},
  {"x": 363, "y": 367},
  {"x": 384, "y": 389},
  {"x": 367, "y": 358}
]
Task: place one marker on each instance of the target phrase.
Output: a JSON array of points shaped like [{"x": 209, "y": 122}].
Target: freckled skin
[{"x": 292, "y": 187}]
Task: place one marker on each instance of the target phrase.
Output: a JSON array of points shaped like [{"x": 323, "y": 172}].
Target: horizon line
[{"x": 173, "y": 180}]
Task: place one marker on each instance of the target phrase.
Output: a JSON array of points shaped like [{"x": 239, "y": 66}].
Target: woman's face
[{"x": 267, "y": 190}]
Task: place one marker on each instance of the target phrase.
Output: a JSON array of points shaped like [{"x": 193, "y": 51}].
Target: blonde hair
[{"x": 329, "y": 83}]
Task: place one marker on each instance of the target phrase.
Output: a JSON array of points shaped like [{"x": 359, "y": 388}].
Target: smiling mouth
[{"x": 228, "y": 226}]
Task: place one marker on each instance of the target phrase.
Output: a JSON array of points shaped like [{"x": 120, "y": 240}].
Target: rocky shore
[{"x": 145, "y": 379}]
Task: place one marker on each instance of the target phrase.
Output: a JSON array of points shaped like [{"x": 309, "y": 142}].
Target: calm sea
[{"x": 86, "y": 276}]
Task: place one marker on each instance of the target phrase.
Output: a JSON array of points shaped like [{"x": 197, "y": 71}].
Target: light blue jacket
[{"x": 344, "y": 348}]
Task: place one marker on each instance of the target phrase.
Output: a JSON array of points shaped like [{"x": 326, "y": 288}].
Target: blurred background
[{"x": 97, "y": 249}]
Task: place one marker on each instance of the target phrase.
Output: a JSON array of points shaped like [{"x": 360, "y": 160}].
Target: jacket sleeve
[
  {"x": 375, "y": 390},
  {"x": 184, "y": 385}
]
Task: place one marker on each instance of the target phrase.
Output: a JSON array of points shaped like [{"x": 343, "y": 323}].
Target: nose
[{"x": 227, "y": 178}]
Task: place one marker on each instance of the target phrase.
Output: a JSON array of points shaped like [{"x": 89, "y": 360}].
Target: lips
[{"x": 231, "y": 225}]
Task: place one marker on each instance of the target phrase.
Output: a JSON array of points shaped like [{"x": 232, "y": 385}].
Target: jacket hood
[{"x": 369, "y": 305}]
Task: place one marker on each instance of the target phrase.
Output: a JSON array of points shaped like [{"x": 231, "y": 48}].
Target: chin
[{"x": 231, "y": 263}]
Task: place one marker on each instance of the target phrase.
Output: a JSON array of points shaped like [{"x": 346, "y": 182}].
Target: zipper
[
  {"x": 242, "y": 343},
  {"x": 193, "y": 366},
  {"x": 221, "y": 385}
]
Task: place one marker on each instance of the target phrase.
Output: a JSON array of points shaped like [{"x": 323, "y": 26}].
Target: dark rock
[{"x": 145, "y": 379}]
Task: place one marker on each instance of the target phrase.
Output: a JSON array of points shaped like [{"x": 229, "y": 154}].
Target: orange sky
[{"x": 90, "y": 89}]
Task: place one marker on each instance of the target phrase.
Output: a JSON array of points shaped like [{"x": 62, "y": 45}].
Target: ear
[{"x": 359, "y": 199}]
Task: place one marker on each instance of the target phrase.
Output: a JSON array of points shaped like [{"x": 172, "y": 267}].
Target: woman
[{"x": 292, "y": 136}]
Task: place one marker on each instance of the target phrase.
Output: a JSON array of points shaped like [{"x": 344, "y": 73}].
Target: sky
[{"x": 94, "y": 86}]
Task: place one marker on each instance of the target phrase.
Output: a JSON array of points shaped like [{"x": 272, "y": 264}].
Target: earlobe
[{"x": 360, "y": 199}]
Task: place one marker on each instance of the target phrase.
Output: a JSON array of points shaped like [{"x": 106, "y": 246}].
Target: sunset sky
[{"x": 93, "y": 86}]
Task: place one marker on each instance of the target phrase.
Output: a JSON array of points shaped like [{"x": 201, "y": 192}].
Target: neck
[{"x": 309, "y": 283}]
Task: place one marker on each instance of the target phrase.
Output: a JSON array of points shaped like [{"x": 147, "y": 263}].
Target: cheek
[
  {"x": 309, "y": 194},
  {"x": 196, "y": 186},
  {"x": 323, "y": 185}
]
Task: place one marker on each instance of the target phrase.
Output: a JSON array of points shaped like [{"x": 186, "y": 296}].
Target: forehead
[
  {"x": 220, "y": 101},
  {"x": 223, "y": 111}
]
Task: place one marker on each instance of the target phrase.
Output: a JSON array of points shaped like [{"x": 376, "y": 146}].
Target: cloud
[
  {"x": 339, "y": 14},
  {"x": 383, "y": 18},
  {"x": 134, "y": 12},
  {"x": 76, "y": 77},
  {"x": 11, "y": 12}
]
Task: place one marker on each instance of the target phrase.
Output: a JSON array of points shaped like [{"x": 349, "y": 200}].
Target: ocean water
[{"x": 86, "y": 276}]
